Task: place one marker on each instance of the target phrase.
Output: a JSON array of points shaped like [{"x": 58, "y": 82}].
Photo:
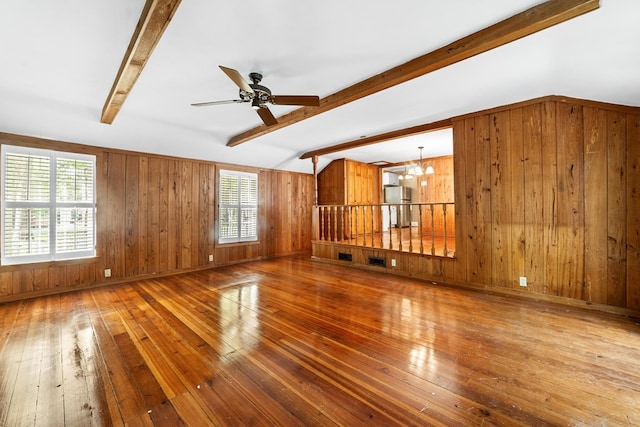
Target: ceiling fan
[{"x": 259, "y": 96}]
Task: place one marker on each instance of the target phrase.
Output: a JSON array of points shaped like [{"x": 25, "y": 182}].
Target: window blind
[
  {"x": 48, "y": 205},
  {"x": 238, "y": 199}
]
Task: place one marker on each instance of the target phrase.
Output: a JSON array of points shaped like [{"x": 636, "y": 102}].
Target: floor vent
[
  {"x": 377, "y": 261},
  {"x": 345, "y": 257}
]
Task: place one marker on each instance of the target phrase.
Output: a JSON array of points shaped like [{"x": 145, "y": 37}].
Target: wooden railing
[{"x": 431, "y": 232}]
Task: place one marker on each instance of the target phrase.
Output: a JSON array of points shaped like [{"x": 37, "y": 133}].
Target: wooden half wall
[{"x": 156, "y": 216}]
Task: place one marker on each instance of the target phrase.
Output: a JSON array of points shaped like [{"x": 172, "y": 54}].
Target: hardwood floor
[{"x": 295, "y": 342}]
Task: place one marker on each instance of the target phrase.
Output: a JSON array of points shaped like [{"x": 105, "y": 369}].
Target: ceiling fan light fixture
[{"x": 260, "y": 96}]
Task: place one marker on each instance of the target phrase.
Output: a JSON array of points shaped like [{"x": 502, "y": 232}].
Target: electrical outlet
[
  {"x": 210, "y": 258},
  {"x": 393, "y": 262},
  {"x": 523, "y": 281},
  {"x": 107, "y": 272}
]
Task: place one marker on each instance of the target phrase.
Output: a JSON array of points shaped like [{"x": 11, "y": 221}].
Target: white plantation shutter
[
  {"x": 238, "y": 198},
  {"x": 48, "y": 205},
  {"x": 74, "y": 230},
  {"x": 26, "y": 219},
  {"x": 26, "y": 232},
  {"x": 27, "y": 178},
  {"x": 75, "y": 200}
]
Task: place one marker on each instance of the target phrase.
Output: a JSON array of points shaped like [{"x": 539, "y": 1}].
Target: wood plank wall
[
  {"x": 346, "y": 181},
  {"x": 550, "y": 190},
  {"x": 156, "y": 215},
  {"x": 332, "y": 187},
  {"x": 439, "y": 188},
  {"x": 286, "y": 207},
  {"x": 364, "y": 185}
]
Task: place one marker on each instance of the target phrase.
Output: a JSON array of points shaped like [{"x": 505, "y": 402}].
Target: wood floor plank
[
  {"x": 299, "y": 319},
  {"x": 22, "y": 411},
  {"x": 13, "y": 348},
  {"x": 108, "y": 325},
  {"x": 83, "y": 387},
  {"x": 207, "y": 308},
  {"x": 155, "y": 401},
  {"x": 271, "y": 394},
  {"x": 8, "y": 316},
  {"x": 49, "y": 407},
  {"x": 267, "y": 408},
  {"x": 195, "y": 369},
  {"x": 188, "y": 372},
  {"x": 290, "y": 341}
]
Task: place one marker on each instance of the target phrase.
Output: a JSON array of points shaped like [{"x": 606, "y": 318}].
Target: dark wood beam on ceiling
[
  {"x": 154, "y": 19},
  {"x": 375, "y": 139},
  {"x": 530, "y": 21}
]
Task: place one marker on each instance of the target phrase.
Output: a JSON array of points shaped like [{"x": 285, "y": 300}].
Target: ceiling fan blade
[
  {"x": 266, "y": 116},
  {"x": 206, "y": 104},
  {"x": 237, "y": 79},
  {"x": 308, "y": 101}
]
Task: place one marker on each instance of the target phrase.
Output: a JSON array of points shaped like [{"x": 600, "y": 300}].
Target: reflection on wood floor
[
  {"x": 406, "y": 239},
  {"x": 292, "y": 342}
]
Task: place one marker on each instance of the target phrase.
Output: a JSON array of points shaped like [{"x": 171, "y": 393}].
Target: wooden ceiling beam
[
  {"x": 383, "y": 137},
  {"x": 154, "y": 19},
  {"x": 530, "y": 21}
]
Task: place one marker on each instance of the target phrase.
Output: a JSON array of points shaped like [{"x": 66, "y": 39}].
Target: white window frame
[
  {"x": 52, "y": 205},
  {"x": 238, "y": 238}
]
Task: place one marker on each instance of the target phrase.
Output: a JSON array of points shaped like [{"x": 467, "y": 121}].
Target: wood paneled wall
[
  {"x": 156, "y": 215},
  {"x": 286, "y": 207},
  {"x": 348, "y": 182},
  {"x": 550, "y": 190},
  {"x": 547, "y": 189},
  {"x": 439, "y": 186},
  {"x": 439, "y": 189},
  {"x": 363, "y": 183},
  {"x": 332, "y": 187}
]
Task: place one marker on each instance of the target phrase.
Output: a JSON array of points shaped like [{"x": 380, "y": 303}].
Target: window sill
[{"x": 231, "y": 244}]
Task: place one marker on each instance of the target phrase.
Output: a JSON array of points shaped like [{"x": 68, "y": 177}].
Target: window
[
  {"x": 238, "y": 206},
  {"x": 48, "y": 205}
]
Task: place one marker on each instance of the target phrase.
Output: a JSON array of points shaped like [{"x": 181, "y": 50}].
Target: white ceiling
[{"x": 58, "y": 61}]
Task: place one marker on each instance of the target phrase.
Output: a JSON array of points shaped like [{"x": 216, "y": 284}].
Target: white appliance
[
  {"x": 390, "y": 178},
  {"x": 397, "y": 197}
]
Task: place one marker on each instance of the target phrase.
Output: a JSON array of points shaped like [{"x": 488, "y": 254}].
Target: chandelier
[{"x": 417, "y": 170}]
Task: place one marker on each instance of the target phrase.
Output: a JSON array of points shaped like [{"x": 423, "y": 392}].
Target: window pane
[
  {"x": 26, "y": 231},
  {"x": 228, "y": 223},
  {"x": 26, "y": 178},
  {"x": 229, "y": 189},
  {"x": 249, "y": 190},
  {"x": 249, "y": 222},
  {"x": 74, "y": 180},
  {"x": 44, "y": 219},
  {"x": 74, "y": 229},
  {"x": 238, "y": 206}
]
